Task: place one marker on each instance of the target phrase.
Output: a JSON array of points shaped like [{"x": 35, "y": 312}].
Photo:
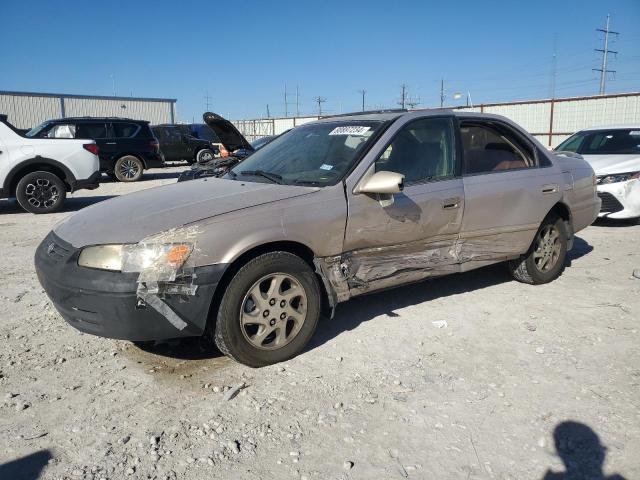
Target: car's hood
[
  {"x": 228, "y": 134},
  {"x": 130, "y": 218},
  {"x": 611, "y": 164}
]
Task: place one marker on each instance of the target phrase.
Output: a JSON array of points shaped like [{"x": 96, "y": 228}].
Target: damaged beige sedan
[{"x": 332, "y": 209}]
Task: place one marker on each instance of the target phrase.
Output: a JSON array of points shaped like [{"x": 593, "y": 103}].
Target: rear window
[
  {"x": 124, "y": 130},
  {"x": 91, "y": 130}
]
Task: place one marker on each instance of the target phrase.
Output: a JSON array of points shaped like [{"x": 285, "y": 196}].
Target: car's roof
[
  {"x": 96, "y": 119},
  {"x": 385, "y": 115},
  {"x": 613, "y": 127}
]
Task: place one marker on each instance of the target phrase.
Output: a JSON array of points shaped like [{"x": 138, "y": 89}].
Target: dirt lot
[{"x": 382, "y": 392}]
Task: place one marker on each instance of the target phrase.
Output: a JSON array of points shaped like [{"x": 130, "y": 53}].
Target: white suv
[{"x": 40, "y": 171}]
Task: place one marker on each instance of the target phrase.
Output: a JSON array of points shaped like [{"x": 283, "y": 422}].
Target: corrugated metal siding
[
  {"x": 533, "y": 117},
  {"x": 28, "y": 110},
  {"x": 572, "y": 116},
  {"x": 154, "y": 112}
]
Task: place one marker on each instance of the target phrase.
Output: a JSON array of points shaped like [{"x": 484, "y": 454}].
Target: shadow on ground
[
  {"x": 361, "y": 309},
  {"x": 26, "y": 468},
  {"x": 610, "y": 222},
  {"x": 71, "y": 204},
  {"x": 581, "y": 452}
]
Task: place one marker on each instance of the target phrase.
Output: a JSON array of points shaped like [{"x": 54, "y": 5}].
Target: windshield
[
  {"x": 603, "y": 142},
  {"x": 317, "y": 154},
  {"x": 36, "y": 130}
]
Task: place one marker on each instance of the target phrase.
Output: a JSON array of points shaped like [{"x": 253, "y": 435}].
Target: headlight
[
  {"x": 139, "y": 257},
  {"x": 619, "y": 177}
]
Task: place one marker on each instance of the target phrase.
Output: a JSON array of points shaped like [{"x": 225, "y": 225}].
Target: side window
[
  {"x": 490, "y": 149},
  {"x": 124, "y": 130},
  {"x": 173, "y": 135},
  {"x": 62, "y": 131},
  {"x": 91, "y": 130},
  {"x": 421, "y": 151}
]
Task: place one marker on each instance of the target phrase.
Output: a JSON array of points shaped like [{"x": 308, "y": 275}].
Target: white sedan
[{"x": 614, "y": 154}]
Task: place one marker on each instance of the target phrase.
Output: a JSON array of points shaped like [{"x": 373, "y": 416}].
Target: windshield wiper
[
  {"x": 306, "y": 182},
  {"x": 274, "y": 177}
]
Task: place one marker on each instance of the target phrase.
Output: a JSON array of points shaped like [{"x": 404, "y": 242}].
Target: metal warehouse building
[{"x": 28, "y": 109}]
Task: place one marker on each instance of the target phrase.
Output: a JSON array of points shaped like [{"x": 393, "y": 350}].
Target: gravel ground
[{"x": 464, "y": 377}]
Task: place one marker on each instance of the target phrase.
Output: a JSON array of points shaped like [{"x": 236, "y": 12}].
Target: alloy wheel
[
  {"x": 273, "y": 311},
  {"x": 41, "y": 193},
  {"x": 547, "y": 248},
  {"x": 129, "y": 168}
]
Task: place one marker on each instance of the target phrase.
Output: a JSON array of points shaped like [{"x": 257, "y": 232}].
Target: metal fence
[
  {"x": 550, "y": 120},
  {"x": 27, "y": 109}
]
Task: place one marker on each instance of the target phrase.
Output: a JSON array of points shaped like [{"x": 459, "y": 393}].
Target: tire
[
  {"x": 289, "y": 322},
  {"x": 41, "y": 192},
  {"x": 544, "y": 261},
  {"x": 128, "y": 169},
  {"x": 205, "y": 155}
]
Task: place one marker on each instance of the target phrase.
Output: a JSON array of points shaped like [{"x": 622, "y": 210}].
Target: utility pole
[
  {"x": 286, "y": 108},
  {"x": 605, "y": 52},
  {"x": 362, "y": 92},
  {"x": 320, "y": 101},
  {"x": 207, "y": 105},
  {"x": 297, "y": 102},
  {"x": 403, "y": 96},
  {"x": 268, "y": 114},
  {"x": 554, "y": 61},
  {"x": 442, "y": 95},
  {"x": 113, "y": 83}
]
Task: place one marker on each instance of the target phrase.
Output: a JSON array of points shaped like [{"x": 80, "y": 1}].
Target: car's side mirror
[{"x": 384, "y": 183}]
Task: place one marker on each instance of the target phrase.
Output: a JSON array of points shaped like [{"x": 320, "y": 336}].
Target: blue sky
[{"x": 243, "y": 52}]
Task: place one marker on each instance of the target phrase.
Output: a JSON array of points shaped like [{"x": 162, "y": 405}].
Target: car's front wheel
[
  {"x": 41, "y": 192},
  {"x": 269, "y": 310},
  {"x": 205, "y": 155},
  {"x": 544, "y": 261},
  {"x": 128, "y": 169}
]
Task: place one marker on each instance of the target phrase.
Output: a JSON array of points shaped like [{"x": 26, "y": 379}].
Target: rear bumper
[
  {"x": 620, "y": 200},
  {"x": 106, "y": 304},
  {"x": 90, "y": 183}
]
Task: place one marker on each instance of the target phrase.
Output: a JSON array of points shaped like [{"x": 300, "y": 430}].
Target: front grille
[{"x": 610, "y": 204}]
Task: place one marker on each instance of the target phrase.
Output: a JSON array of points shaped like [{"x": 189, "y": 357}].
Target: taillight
[
  {"x": 91, "y": 147},
  {"x": 155, "y": 145}
]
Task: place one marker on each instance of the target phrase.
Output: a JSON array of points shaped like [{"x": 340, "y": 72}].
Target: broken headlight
[
  {"x": 164, "y": 258},
  {"x": 617, "y": 178}
]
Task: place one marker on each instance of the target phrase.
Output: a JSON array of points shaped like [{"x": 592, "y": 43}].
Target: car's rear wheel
[
  {"x": 544, "y": 261},
  {"x": 41, "y": 192},
  {"x": 269, "y": 310},
  {"x": 128, "y": 169},
  {"x": 205, "y": 155}
]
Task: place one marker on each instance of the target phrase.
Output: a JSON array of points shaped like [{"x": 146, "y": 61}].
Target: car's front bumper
[
  {"x": 620, "y": 200},
  {"x": 106, "y": 304}
]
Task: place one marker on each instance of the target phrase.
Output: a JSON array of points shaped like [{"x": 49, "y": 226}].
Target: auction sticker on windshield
[{"x": 350, "y": 130}]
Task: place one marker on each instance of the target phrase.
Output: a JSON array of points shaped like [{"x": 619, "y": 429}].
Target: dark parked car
[
  {"x": 126, "y": 146},
  {"x": 194, "y": 142},
  {"x": 233, "y": 148}
]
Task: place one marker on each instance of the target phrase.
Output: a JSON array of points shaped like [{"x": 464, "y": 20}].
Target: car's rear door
[
  {"x": 100, "y": 132},
  {"x": 414, "y": 236},
  {"x": 509, "y": 189}
]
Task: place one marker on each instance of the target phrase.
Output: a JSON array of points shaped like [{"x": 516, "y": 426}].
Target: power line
[{"x": 605, "y": 52}]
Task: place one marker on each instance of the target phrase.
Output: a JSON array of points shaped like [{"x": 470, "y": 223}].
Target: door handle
[
  {"x": 451, "y": 203},
  {"x": 110, "y": 143},
  {"x": 551, "y": 188}
]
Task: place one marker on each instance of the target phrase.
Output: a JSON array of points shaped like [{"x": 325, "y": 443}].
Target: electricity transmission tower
[
  {"x": 403, "y": 96},
  {"x": 207, "y": 104},
  {"x": 362, "y": 92},
  {"x": 320, "y": 100},
  {"x": 605, "y": 52}
]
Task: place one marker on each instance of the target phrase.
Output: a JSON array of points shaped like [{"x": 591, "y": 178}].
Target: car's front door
[
  {"x": 509, "y": 189},
  {"x": 414, "y": 235}
]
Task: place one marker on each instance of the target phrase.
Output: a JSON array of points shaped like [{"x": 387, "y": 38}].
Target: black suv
[
  {"x": 126, "y": 146},
  {"x": 193, "y": 142}
]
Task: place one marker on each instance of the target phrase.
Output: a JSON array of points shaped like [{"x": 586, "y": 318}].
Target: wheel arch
[
  {"x": 33, "y": 165},
  {"x": 130, "y": 154},
  {"x": 296, "y": 248}
]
